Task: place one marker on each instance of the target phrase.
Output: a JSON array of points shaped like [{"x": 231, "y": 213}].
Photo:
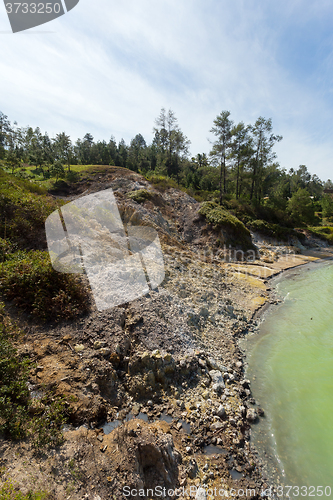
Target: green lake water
[{"x": 291, "y": 370}]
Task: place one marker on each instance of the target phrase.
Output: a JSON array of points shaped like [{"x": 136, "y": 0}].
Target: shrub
[
  {"x": 140, "y": 195},
  {"x": 301, "y": 207},
  {"x": 221, "y": 219},
  {"x": 8, "y": 492},
  {"x": 274, "y": 230},
  {"x": 217, "y": 216},
  {"x": 45, "y": 428},
  {"x": 14, "y": 393},
  {"x": 23, "y": 210},
  {"x": 324, "y": 232},
  {"x": 29, "y": 280}
]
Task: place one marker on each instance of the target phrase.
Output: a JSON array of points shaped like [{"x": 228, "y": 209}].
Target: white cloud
[{"x": 109, "y": 68}]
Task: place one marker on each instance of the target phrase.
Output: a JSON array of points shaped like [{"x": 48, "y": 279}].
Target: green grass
[
  {"x": 323, "y": 232},
  {"x": 29, "y": 280}
]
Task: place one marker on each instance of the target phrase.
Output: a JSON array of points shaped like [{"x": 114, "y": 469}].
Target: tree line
[{"x": 241, "y": 163}]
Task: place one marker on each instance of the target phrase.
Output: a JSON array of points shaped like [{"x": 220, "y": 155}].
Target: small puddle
[
  {"x": 235, "y": 474},
  {"x": 214, "y": 450},
  {"x": 111, "y": 426},
  {"x": 166, "y": 418},
  {"x": 186, "y": 426}
]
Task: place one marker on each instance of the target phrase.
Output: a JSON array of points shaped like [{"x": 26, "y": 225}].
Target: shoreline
[{"x": 266, "y": 456}]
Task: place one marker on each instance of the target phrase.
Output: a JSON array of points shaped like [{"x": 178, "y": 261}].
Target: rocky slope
[{"x": 155, "y": 389}]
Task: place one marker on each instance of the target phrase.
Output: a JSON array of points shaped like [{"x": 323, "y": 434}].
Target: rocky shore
[{"x": 156, "y": 390}]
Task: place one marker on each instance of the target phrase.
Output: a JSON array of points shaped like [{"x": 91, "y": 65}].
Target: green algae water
[{"x": 291, "y": 370}]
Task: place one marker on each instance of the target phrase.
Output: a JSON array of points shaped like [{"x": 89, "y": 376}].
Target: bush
[
  {"x": 23, "y": 211},
  {"x": 29, "y": 280},
  {"x": 45, "y": 428},
  {"x": 220, "y": 218},
  {"x": 327, "y": 206},
  {"x": 301, "y": 208},
  {"x": 14, "y": 393},
  {"x": 274, "y": 230},
  {"x": 140, "y": 195},
  {"x": 8, "y": 492},
  {"x": 324, "y": 232}
]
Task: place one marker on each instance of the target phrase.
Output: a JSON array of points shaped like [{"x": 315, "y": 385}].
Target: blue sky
[{"x": 109, "y": 67}]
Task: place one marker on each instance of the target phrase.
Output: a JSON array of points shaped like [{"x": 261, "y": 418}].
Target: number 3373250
[{"x": 33, "y": 8}]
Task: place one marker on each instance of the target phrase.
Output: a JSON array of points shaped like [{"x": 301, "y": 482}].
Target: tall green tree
[
  {"x": 263, "y": 143},
  {"x": 221, "y": 147},
  {"x": 241, "y": 152},
  {"x": 64, "y": 149},
  {"x": 5, "y": 129},
  {"x": 172, "y": 144}
]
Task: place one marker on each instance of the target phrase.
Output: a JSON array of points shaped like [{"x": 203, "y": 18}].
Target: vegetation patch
[
  {"x": 30, "y": 281},
  {"x": 21, "y": 416},
  {"x": 24, "y": 207},
  {"x": 274, "y": 230},
  {"x": 221, "y": 218},
  {"x": 323, "y": 232},
  {"x": 140, "y": 195},
  {"x": 14, "y": 393},
  {"x": 9, "y": 492}
]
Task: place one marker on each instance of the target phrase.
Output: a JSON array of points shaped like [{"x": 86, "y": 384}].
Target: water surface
[{"x": 291, "y": 368}]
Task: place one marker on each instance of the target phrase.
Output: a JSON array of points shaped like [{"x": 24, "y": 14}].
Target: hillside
[{"x": 165, "y": 371}]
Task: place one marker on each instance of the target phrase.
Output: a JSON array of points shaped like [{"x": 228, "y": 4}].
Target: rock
[
  {"x": 221, "y": 411},
  {"x": 217, "y": 381},
  {"x": 217, "y": 425},
  {"x": 204, "y": 312},
  {"x": 216, "y": 376},
  {"x": 192, "y": 469},
  {"x": 105, "y": 351},
  {"x": 201, "y": 494},
  {"x": 79, "y": 348},
  {"x": 205, "y": 394},
  {"x": 98, "y": 344},
  {"x": 167, "y": 358},
  {"x": 202, "y": 363},
  {"x": 136, "y": 409},
  {"x": 251, "y": 415}
]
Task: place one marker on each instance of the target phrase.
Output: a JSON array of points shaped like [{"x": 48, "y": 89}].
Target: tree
[
  {"x": 63, "y": 148},
  {"x": 327, "y": 206},
  {"x": 241, "y": 152},
  {"x": 57, "y": 170},
  {"x": 222, "y": 130},
  {"x": 136, "y": 153},
  {"x": 263, "y": 143},
  {"x": 172, "y": 144},
  {"x": 5, "y": 130},
  {"x": 301, "y": 207}
]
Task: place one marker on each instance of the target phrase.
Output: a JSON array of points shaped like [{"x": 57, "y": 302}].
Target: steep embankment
[{"x": 172, "y": 353}]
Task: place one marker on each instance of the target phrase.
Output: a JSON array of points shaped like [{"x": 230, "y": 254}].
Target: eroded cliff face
[{"x": 166, "y": 367}]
